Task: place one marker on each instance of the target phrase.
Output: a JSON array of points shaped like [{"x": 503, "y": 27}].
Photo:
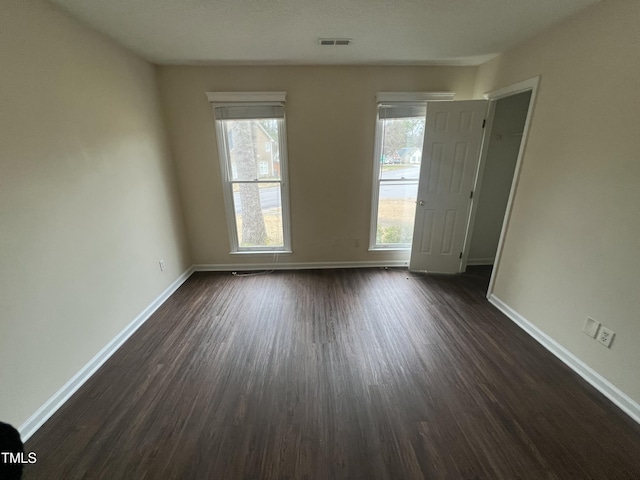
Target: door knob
[{"x": 421, "y": 203}]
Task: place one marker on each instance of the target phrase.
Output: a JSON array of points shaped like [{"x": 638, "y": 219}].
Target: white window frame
[
  {"x": 217, "y": 99},
  {"x": 386, "y": 98}
]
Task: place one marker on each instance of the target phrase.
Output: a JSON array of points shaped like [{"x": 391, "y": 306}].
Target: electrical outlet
[
  {"x": 162, "y": 266},
  {"x": 605, "y": 336},
  {"x": 591, "y": 327}
]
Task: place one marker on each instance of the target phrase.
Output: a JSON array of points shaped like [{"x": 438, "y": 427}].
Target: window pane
[
  {"x": 258, "y": 209},
  {"x": 396, "y": 212},
  {"x": 253, "y": 149},
  {"x": 401, "y": 148}
]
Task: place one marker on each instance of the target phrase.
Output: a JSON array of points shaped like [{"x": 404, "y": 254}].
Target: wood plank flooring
[{"x": 334, "y": 374}]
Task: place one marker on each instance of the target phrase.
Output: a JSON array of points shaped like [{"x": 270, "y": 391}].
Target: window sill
[
  {"x": 389, "y": 249},
  {"x": 261, "y": 252}
]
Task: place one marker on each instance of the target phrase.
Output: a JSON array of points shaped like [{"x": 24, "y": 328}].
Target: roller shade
[
  {"x": 400, "y": 110},
  {"x": 247, "y": 105},
  {"x": 248, "y": 112}
]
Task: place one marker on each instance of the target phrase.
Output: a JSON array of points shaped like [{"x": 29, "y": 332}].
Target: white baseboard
[
  {"x": 613, "y": 393},
  {"x": 233, "y": 267},
  {"x": 480, "y": 261},
  {"x": 28, "y": 428},
  {"x": 33, "y": 423}
]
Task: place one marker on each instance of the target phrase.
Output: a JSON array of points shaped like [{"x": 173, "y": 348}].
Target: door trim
[{"x": 531, "y": 85}]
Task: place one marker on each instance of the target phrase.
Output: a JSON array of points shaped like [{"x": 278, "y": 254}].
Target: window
[
  {"x": 230, "y": 141},
  {"x": 256, "y": 198},
  {"x": 398, "y": 156}
]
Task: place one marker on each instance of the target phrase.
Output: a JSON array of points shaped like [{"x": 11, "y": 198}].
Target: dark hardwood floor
[{"x": 334, "y": 374}]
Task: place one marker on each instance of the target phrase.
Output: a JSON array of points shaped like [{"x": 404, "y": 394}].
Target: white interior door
[{"x": 452, "y": 142}]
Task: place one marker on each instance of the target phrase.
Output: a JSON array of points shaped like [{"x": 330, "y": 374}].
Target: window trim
[
  {"x": 218, "y": 99},
  {"x": 408, "y": 98}
]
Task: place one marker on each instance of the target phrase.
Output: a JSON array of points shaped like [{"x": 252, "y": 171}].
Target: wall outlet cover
[
  {"x": 591, "y": 327},
  {"x": 605, "y": 336}
]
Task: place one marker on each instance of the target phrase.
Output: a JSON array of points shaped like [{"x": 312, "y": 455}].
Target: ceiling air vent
[{"x": 334, "y": 41}]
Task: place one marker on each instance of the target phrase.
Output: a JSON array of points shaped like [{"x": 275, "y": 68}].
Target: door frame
[{"x": 531, "y": 85}]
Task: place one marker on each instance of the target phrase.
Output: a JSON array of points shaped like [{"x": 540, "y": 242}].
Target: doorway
[
  {"x": 504, "y": 142},
  {"x": 504, "y": 146},
  {"x": 530, "y": 89}
]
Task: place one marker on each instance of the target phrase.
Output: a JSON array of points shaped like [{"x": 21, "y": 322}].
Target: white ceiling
[{"x": 456, "y": 32}]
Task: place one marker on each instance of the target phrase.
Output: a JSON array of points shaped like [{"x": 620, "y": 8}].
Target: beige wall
[
  {"x": 87, "y": 200},
  {"x": 502, "y": 154},
  {"x": 331, "y": 125},
  {"x": 572, "y": 244}
]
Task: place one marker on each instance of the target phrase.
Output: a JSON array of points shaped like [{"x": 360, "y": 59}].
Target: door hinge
[
  {"x": 484, "y": 122},
  {"x": 460, "y": 255},
  {"x": 471, "y": 194}
]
